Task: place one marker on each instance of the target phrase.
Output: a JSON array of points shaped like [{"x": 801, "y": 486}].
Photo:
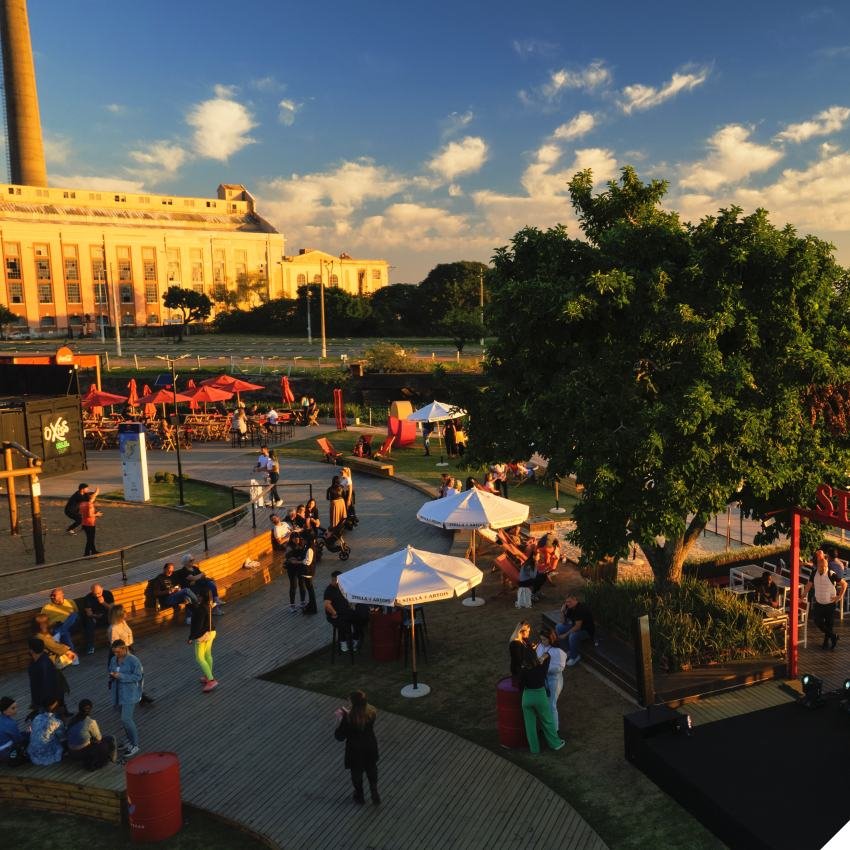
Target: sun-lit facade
[{"x": 355, "y": 276}]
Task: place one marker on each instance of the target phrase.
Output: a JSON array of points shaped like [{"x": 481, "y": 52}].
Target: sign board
[
  {"x": 55, "y": 435},
  {"x": 833, "y": 505},
  {"x": 134, "y": 461}
]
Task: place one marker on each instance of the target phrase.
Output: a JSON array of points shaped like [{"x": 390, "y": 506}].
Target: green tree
[
  {"x": 252, "y": 288},
  {"x": 193, "y": 306},
  {"x": 395, "y": 309},
  {"x": 449, "y": 286},
  {"x": 7, "y": 317},
  {"x": 673, "y": 368},
  {"x": 462, "y": 324}
]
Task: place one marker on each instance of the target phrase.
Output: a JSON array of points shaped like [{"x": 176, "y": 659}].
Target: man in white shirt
[
  {"x": 264, "y": 462},
  {"x": 280, "y": 534},
  {"x": 829, "y": 591}
]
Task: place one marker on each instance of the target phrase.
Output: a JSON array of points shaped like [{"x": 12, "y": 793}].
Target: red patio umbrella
[
  {"x": 207, "y": 394},
  {"x": 150, "y": 409},
  {"x": 286, "y": 390},
  {"x": 162, "y": 396},
  {"x": 98, "y": 398},
  {"x": 133, "y": 397},
  {"x": 234, "y": 385}
]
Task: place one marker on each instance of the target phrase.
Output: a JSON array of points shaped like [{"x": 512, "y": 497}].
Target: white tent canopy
[
  {"x": 436, "y": 411},
  {"x": 473, "y": 509},
  {"x": 409, "y": 577}
]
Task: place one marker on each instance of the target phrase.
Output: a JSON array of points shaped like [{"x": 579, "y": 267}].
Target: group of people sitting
[
  {"x": 527, "y": 564},
  {"x": 47, "y": 739}
]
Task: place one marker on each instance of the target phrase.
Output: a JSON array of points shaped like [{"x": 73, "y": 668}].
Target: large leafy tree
[
  {"x": 449, "y": 286},
  {"x": 193, "y": 306},
  {"x": 7, "y": 317},
  {"x": 671, "y": 367}
]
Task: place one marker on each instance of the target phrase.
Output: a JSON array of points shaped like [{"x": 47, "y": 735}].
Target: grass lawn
[
  {"x": 412, "y": 462},
  {"x": 32, "y": 830},
  {"x": 467, "y": 655},
  {"x": 202, "y": 498}
]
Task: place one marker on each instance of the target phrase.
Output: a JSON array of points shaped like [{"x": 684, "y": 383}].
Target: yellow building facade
[{"x": 355, "y": 276}]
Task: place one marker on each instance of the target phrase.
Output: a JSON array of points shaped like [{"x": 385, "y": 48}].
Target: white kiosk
[{"x": 134, "y": 461}]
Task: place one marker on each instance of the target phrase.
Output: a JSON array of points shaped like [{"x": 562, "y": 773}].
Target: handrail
[{"x": 96, "y": 564}]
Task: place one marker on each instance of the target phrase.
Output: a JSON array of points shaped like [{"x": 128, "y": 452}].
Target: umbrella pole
[
  {"x": 473, "y": 601},
  {"x": 414, "y": 690},
  {"x": 442, "y": 462}
]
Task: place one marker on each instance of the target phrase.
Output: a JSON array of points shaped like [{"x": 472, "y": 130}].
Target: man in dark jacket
[
  {"x": 46, "y": 682},
  {"x": 72, "y": 508}
]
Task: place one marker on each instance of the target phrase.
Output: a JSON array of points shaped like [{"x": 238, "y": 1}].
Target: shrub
[
  {"x": 386, "y": 357},
  {"x": 691, "y": 624}
]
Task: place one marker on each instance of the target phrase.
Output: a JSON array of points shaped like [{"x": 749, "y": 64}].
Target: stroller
[
  {"x": 351, "y": 521},
  {"x": 334, "y": 541}
]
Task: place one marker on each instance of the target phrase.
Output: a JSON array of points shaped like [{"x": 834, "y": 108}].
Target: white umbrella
[
  {"x": 473, "y": 509},
  {"x": 409, "y": 577},
  {"x": 437, "y": 411}
]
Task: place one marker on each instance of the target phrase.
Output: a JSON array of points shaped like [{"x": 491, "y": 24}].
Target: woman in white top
[
  {"x": 119, "y": 628},
  {"x": 555, "y": 675}
]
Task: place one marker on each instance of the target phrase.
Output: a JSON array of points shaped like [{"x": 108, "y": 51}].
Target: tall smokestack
[{"x": 26, "y": 149}]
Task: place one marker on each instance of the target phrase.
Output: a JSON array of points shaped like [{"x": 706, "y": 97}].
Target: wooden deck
[{"x": 263, "y": 754}]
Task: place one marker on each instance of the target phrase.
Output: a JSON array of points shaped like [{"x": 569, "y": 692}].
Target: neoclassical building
[{"x": 81, "y": 258}]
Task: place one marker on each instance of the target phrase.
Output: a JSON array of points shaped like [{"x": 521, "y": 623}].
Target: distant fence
[{"x": 195, "y": 537}]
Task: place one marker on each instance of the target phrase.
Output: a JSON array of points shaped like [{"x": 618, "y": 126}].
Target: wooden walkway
[{"x": 263, "y": 754}]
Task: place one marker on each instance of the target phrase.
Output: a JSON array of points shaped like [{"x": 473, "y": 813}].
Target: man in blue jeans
[
  {"x": 578, "y": 625},
  {"x": 168, "y": 592}
]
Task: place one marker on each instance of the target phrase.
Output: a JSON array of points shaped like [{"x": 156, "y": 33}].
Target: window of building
[
  {"x": 16, "y": 293},
  {"x": 42, "y": 193},
  {"x": 151, "y": 293},
  {"x": 173, "y": 259},
  {"x": 128, "y": 318},
  {"x": 362, "y": 288},
  {"x": 149, "y": 264},
  {"x": 196, "y": 258},
  {"x": 188, "y": 202},
  {"x": 121, "y": 199},
  {"x": 13, "y": 261},
  {"x": 125, "y": 267},
  {"x": 153, "y": 319},
  {"x": 71, "y": 268},
  {"x": 144, "y": 199},
  {"x": 301, "y": 280},
  {"x": 98, "y": 273},
  {"x": 218, "y": 266},
  {"x": 48, "y": 321},
  {"x": 167, "y": 202},
  {"x": 73, "y": 293},
  {"x": 126, "y": 293},
  {"x": 240, "y": 263},
  {"x": 376, "y": 274},
  {"x": 75, "y": 320},
  {"x": 69, "y": 194},
  {"x": 45, "y": 292},
  {"x": 211, "y": 204},
  {"x": 219, "y": 291},
  {"x": 42, "y": 262},
  {"x": 94, "y": 196},
  {"x": 334, "y": 280},
  {"x": 317, "y": 278}
]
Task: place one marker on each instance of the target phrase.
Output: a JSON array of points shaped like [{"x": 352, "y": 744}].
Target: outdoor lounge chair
[
  {"x": 386, "y": 448},
  {"x": 331, "y": 454}
]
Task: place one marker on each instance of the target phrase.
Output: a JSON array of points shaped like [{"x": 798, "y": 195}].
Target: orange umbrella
[
  {"x": 208, "y": 393},
  {"x": 99, "y": 398},
  {"x": 150, "y": 409},
  {"x": 133, "y": 398},
  {"x": 235, "y": 385},
  {"x": 193, "y": 404},
  {"x": 286, "y": 390}
]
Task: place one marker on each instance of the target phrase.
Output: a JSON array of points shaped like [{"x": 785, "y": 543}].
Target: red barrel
[
  {"x": 509, "y": 715},
  {"x": 153, "y": 797},
  {"x": 384, "y": 630}
]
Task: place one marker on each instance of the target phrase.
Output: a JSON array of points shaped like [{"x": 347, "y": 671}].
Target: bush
[
  {"x": 691, "y": 624},
  {"x": 386, "y": 357},
  {"x": 167, "y": 477}
]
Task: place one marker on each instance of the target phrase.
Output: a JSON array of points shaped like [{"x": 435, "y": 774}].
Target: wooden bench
[
  {"x": 226, "y": 568},
  {"x": 372, "y": 467},
  {"x": 25, "y": 787}
]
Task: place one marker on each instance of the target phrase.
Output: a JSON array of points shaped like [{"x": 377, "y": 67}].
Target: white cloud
[
  {"x": 288, "y": 108},
  {"x": 266, "y": 84},
  {"x": 455, "y": 191},
  {"x": 159, "y": 159},
  {"x": 589, "y": 79},
  {"x": 225, "y": 92},
  {"x": 639, "y": 97},
  {"x": 426, "y": 227},
  {"x": 525, "y": 47},
  {"x": 732, "y": 158},
  {"x": 221, "y": 125},
  {"x": 455, "y": 122},
  {"x": 579, "y": 125},
  {"x": 57, "y": 149},
  {"x": 462, "y": 157},
  {"x": 829, "y": 121},
  {"x": 116, "y": 108},
  {"x": 97, "y": 184}
]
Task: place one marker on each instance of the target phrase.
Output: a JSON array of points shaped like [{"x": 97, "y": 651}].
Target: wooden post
[
  {"x": 13, "y": 499},
  {"x": 35, "y": 497},
  {"x": 643, "y": 661}
]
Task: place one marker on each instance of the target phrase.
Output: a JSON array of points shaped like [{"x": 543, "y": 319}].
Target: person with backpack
[{"x": 72, "y": 508}]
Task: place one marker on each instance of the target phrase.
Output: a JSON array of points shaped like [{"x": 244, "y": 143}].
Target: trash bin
[
  {"x": 509, "y": 715},
  {"x": 153, "y": 797},
  {"x": 384, "y": 630}
]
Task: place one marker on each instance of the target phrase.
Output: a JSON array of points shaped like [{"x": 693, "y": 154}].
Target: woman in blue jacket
[{"x": 126, "y": 680}]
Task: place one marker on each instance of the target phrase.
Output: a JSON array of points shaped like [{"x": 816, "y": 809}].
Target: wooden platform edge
[{"x": 28, "y": 791}]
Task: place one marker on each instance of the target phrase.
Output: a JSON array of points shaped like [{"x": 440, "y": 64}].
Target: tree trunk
[
  {"x": 605, "y": 569},
  {"x": 667, "y": 561}
]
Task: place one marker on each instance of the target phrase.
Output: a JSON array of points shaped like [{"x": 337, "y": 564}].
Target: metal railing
[{"x": 122, "y": 561}]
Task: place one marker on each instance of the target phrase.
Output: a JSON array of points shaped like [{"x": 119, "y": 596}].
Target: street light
[
  {"x": 309, "y": 326},
  {"x": 171, "y": 361},
  {"x": 328, "y": 264}
]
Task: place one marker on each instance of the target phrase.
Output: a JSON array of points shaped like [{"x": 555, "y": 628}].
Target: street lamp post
[
  {"x": 171, "y": 361},
  {"x": 328, "y": 265},
  {"x": 309, "y": 326}
]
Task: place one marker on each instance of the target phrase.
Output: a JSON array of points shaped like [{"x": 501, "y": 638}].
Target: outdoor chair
[
  {"x": 330, "y": 453},
  {"x": 313, "y": 418},
  {"x": 510, "y": 573},
  {"x": 386, "y": 448}
]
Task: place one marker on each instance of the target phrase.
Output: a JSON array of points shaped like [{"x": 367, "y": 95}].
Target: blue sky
[{"x": 426, "y": 134}]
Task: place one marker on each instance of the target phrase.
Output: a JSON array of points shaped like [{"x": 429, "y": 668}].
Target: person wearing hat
[{"x": 13, "y": 742}]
